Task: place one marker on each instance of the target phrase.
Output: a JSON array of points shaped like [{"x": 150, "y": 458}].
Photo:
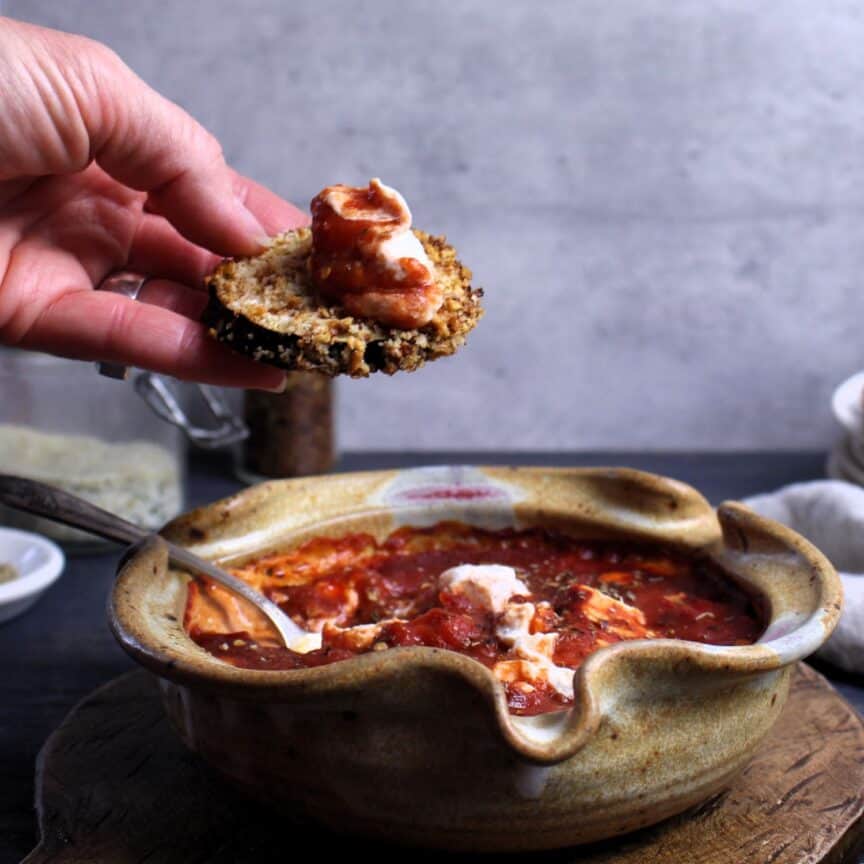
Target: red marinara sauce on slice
[
  {"x": 366, "y": 258},
  {"x": 551, "y": 601}
]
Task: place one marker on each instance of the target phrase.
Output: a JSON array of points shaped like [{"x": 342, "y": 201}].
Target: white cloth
[{"x": 830, "y": 514}]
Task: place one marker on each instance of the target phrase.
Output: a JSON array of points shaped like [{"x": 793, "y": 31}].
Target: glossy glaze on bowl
[{"x": 416, "y": 744}]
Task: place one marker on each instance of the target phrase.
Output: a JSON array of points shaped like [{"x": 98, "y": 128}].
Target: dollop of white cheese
[
  {"x": 493, "y": 587},
  {"x": 404, "y": 244},
  {"x": 343, "y": 201},
  {"x": 399, "y": 242},
  {"x": 306, "y": 643},
  {"x": 487, "y": 585},
  {"x": 514, "y": 630}
]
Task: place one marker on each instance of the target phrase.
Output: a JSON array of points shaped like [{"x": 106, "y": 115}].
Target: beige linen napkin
[{"x": 830, "y": 514}]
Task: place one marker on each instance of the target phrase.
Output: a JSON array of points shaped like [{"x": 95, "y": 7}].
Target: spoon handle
[{"x": 59, "y": 506}]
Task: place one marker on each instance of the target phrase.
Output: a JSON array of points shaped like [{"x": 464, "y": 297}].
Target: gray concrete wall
[{"x": 663, "y": 200}]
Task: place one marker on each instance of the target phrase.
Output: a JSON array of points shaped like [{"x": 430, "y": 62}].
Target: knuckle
[
  {"x": 20, "y": 307},
  {"x": 188, "y": 343},
  {"x": 97, "y": 54},
  {"x": 210, "y": 145}
]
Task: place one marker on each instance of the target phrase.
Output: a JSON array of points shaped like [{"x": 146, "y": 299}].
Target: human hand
[{"x": 99, "y": 173}]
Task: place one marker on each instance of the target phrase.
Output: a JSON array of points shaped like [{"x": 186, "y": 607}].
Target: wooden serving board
[{"x": 114, "y": 785}]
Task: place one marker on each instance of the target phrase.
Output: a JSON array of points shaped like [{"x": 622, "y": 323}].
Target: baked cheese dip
[
  {"x": 361, "y": 291},
  {"x": 530, "y": 605}
]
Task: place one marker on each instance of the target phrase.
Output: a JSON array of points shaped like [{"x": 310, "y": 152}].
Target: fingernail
[
  {"x": 252, "y": 228},
  {"x": 281, "y": 388}
]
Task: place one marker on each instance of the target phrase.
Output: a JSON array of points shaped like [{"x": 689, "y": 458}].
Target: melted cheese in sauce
[
  {"x": 488, "y": 585},
  {"x": 494, "y": 587}
]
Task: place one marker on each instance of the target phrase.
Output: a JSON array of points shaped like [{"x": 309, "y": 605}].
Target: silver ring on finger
[{"x": 127, "y": 284}]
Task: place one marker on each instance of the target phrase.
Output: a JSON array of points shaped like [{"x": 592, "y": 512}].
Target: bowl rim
[
  {"x": 547, "y": 738},
  {"x": 33, "y": 581}
]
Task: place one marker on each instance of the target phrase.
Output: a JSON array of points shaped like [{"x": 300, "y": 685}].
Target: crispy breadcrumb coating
[{"x": 267, "y": 308}]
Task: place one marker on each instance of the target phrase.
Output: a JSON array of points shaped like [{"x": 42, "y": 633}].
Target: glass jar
[{"x": 63, "y": 424}]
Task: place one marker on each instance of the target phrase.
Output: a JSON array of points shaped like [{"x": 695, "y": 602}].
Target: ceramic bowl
[
  {"x": 416, "y": 745},
  {"x": 39, "y": 563}
]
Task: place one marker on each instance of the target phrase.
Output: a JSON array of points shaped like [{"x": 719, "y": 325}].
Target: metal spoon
[{"x": 59, "y": 506}]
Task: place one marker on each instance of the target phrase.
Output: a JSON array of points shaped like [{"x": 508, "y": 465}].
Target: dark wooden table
[{"x": 61, "y": 650}]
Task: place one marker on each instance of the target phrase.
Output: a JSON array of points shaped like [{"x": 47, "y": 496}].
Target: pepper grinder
[{"x": 290, "y": 433}]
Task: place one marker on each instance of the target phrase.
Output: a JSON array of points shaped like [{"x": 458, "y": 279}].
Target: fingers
[
  {"x": 159, "y": 250},
  {"x": 47, "y": 304},
  {"x": 75, "y": 100},
  {"x": 173, "y": 297},
  {"x": 95, "y": 325},
  {"x": 158, "y": 148},
  {"x": 274, "y": 213},
  {"x": 155, "y": 146}
]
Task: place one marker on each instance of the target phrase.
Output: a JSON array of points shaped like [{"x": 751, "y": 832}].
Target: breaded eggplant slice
[{"x": 266, "y": 307}]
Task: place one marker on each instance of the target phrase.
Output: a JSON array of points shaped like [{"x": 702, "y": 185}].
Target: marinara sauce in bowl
[
  {"x": 495, "y": 659},
  {"x": 531, "y": 605}
]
